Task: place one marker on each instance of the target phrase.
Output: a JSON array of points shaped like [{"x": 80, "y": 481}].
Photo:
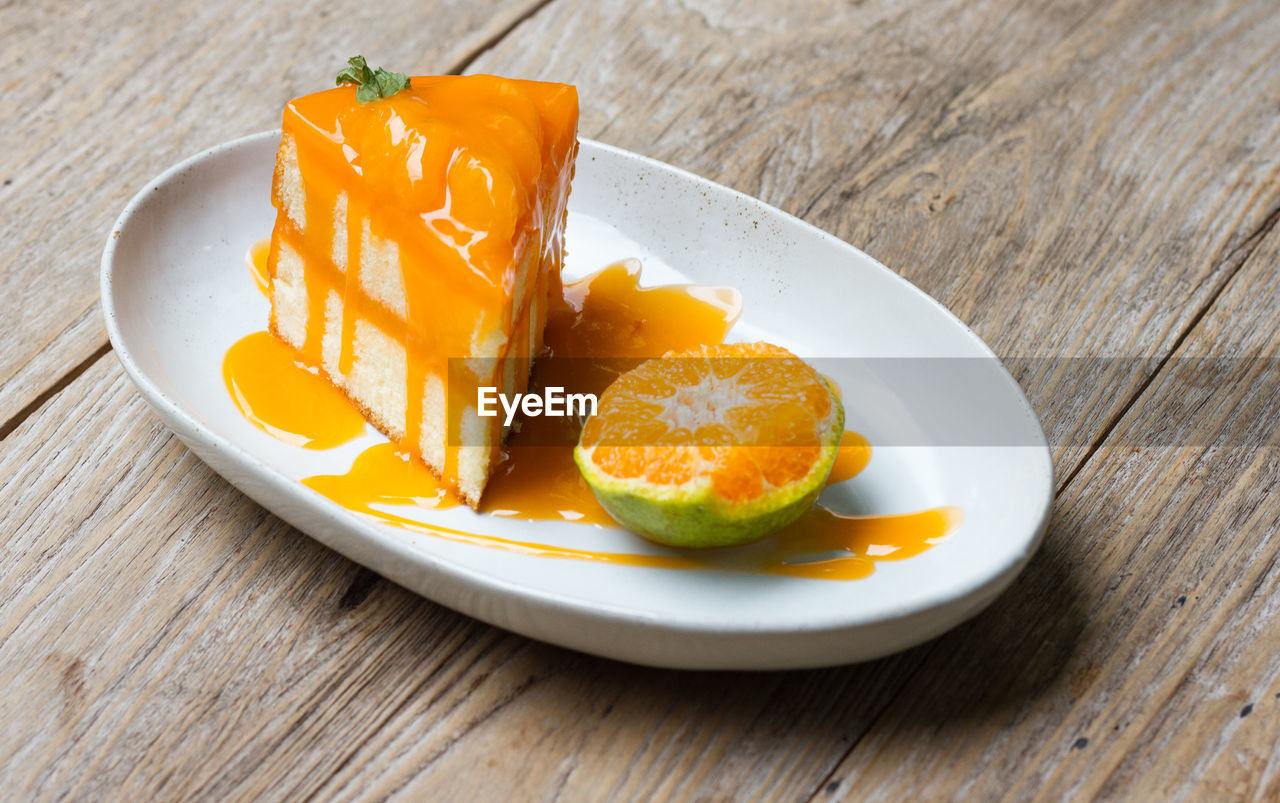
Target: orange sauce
[
  {"x": 822, "y": 544},
  {"x": 607, "y": 313},
  {"x": 286, "y": 399},
  {"x": 383, "y": 474},
  {"x": 256, "y": 261},
  {"x": 851, "y": 459},
  {"x": 827, "y": 545},
  {"x": 539, "y": 483}
]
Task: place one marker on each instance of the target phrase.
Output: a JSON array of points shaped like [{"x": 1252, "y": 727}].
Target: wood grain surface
[
  {"x": 1040, "y": 168},
  {"x": 1131, "y": 660},
  {"x": 1074, "y": 179}
]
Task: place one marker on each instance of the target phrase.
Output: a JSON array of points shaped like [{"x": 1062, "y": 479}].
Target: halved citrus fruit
[{"x": 713, "y": 446}]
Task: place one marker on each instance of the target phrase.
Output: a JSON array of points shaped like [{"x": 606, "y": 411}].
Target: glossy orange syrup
[
  {"x": 468, "y": 177},
  {"x": 605, "y": 313},
  {"x": 852, "y": 458},
  {"x": 256, "y": 261},
  {"x": 276, "y": 391}
]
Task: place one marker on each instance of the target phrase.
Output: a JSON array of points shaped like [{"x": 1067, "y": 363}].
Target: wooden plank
[
  {"x": 160, "y": 634},
  {"x": 555, "y": 725},
  {"x": 191, "y": 644},
  {"x": 1072, "y": 179},
  {"x": 1137, "y": 658},
  {"x": 101, "y": 97}
]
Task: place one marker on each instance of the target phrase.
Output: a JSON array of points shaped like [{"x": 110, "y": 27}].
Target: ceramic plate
[{"x": 949, "y": 425}]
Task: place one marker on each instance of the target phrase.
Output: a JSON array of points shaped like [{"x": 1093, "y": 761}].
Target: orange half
[{"x": 713, "y": 446}]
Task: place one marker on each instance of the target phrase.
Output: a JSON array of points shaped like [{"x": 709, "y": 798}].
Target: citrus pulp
[{"x": 713, "y": 446}]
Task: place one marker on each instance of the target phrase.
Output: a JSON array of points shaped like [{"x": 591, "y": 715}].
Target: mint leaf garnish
[
  {"x": 357, "y": 72},
  {"x": 370, "y": 84}
]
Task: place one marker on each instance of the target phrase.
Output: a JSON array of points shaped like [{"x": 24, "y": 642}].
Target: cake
[{"x": 418, "y": 240}]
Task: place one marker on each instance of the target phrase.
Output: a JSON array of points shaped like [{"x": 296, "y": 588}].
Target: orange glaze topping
[
  {"x": 469, "y": 177},
  {"x": 608, "y": 312}
]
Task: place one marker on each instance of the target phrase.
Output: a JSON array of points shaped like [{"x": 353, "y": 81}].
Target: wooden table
[{"x": 1073, "y": 179}]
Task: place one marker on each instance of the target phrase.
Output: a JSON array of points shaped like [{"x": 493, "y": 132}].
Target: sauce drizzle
[
  {"x": 604, "y": 314},
  {"x": 274, "y": 390},
  {"x": 256, "y": 261}
]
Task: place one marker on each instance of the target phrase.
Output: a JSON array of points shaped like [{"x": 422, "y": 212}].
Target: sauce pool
[{"x": 607, "y": 314}]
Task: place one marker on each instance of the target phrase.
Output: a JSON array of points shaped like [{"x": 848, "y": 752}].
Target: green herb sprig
[{"x": 370, "y": 84}]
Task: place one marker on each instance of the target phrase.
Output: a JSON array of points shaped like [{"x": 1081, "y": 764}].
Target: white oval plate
[{"x": 176, "y": 295}]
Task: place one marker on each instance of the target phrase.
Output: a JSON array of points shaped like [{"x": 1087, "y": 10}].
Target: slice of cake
[{"x": 417, "y": 241}]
